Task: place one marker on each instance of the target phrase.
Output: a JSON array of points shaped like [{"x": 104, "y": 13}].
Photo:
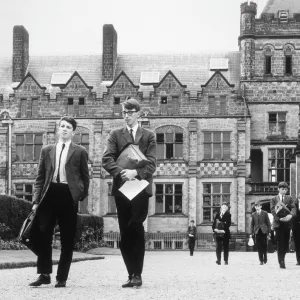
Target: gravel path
[{"x": 167, "y": 275}]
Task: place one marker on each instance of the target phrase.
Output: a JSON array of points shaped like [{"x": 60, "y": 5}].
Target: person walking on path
[
  {"x": 261, "y": 227},
  {"x": 283, "y": 209},
  {"x": 62, "y": 181},
  {"x": 192, "y": 235},
  {"x": 220, "y": 227},
  {"x": 296, "y": 230},
  {"x": 131, "y": 214}
]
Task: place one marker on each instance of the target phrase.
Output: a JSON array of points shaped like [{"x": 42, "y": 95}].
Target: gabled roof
[
  {"x": 24, "y": 79},
  {"x": 170, "y": 73},
  {"x": 273, "y": 6},
  {"x": 122, "y": 74},
  {"x": 72, "y": 76},
  {"x": 213, "y": 76}
]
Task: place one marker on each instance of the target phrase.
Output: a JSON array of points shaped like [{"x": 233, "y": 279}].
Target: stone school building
[{"x": 226, "y": 123}]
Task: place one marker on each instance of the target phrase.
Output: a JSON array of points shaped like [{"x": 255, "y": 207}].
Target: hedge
[{"x": 13, "y": 212}]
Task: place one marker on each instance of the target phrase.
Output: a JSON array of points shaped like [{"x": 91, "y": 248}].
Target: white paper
[{"x": 131, "y": 188}]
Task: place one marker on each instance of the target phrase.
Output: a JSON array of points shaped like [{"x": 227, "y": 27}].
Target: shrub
[
  {"x": 13, "y": 212},
  {"x": 89, "y": 232},
  {"x": 11, "y": 245}
]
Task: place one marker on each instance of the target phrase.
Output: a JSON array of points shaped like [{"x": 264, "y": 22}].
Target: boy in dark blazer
[
  {"x": 62, "y": 181},
  {"x": 192, "y": 236},
  {"x": 131, "y": 214},
  {"x": 261, "y": 227},
  {"x": 282, "y": 225}
]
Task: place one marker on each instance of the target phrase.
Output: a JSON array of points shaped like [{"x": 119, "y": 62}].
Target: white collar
[
  {"x": 67, "y": 144},
  {"x": 134, "y": 128}
]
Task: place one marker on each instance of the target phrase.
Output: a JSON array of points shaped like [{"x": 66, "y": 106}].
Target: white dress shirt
[
  {"x": 62, "y": 173},
  {"x": 134, "y": 130}
]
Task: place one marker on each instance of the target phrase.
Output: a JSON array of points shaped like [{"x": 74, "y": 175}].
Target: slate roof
[
  {"x": 190, "y": 69},
  {"x": 272, "y": 6}
]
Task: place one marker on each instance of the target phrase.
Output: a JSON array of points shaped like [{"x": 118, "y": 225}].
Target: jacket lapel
[
  {"x": 139, "y": 134},
  {"x": 52, "y": 155},
  {"x": 72, "y": 149}
]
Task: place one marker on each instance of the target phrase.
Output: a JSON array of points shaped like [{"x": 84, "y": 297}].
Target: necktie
[
  {"x": 131, "y": 133},
  {"x": 62, "y": 149}
]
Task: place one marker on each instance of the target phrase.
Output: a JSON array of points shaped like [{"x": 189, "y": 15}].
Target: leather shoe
[
  {"x": 282, "y": 265},
  {"x": 218, "y": 262},
  {"x": 42, "y": 279},
  {"x": 298, "y": 263},
  {"x": 261, "y": 263},
  {"x": 137, "y": 280},
  {"x": 60, "y": 284},
  {"x": 128, "y": 283},
  {"x": 226, "y": 262}
]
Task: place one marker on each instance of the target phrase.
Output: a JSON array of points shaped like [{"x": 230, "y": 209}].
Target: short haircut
[
  {"x": 226, "y": 203},
  {"x": 283, "y": 184},
  {"x": 69, "y": 120},
  {"x": 131, "y": 103},
  {"x": 258, "y": 202},
  {"x": 192, "y": 221}
]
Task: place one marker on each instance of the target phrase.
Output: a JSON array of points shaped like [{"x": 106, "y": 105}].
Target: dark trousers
[
  {"x": 56, "y": 207},
  {"x": 191, "y": 244},
  {"x": 282, "y": 237},
  {"x": 131, "y": 215},
  {"x": 262, "y": 245},
  {"x": 222, "y": 243},
  {"x": 296, "y": 235}
]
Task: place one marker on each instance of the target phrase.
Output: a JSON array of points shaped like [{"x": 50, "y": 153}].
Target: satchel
[{"x": 29, "y": 233}]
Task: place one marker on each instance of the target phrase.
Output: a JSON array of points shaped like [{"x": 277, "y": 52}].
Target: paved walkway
[{"x": 167, "y": 275}]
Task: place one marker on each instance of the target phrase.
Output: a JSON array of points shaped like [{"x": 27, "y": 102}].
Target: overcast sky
[{"x": 64, "y": 27}]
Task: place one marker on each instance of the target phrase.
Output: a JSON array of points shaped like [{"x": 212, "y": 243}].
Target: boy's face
[
  {"x": 258, "y": 207},
  {"x": 65, "y": 130},
  {"x": 282, "y": 190}
]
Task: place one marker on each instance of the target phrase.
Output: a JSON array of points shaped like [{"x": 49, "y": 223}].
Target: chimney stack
[
  {"x": 20, "y": 53},
  {"x": 109, "y": 54}
]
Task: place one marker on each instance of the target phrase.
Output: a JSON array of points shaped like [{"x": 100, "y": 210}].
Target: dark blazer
[
  {"x": 77, "y": 172},
  {"x": 192, "y": 230},
  {"x": 261, "y": 221},
  {"x": 288, "y": 201},
  {"x": 119, "y": 138},
  {"x": 226, "y": 219}
]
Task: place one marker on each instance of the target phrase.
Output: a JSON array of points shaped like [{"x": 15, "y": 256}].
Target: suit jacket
[
  {"x": 261, "y": 221},
  {"x": 77, "y": 173},
  {"x": 119, "y": 138},
  {"x": 192, "y": 230},
  {"x": 296, "y": 219},
  {"x": 288, "y": 201},
  {"x": 226, "y": 219}
]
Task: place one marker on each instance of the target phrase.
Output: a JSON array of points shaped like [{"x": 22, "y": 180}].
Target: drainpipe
[{"x": 9, "y": 122}]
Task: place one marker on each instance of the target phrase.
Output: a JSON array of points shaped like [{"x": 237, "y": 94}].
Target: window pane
[
  {"x": 272, "y": 153},
  {"x": 160, "y": 151},
  {"x": 28, "y": 198},
  {"x": 29, "y": 138},
  {"x": 280, "y": 153},
  {"x": 85, "y": 138},
  {"x": 178, "y": 150},
  {"x": 19, "y": 153},
  {"x": 168, "y": 203},
  {"x": 19, "y": 188},
  {"x": 207, "y": 137},
  {"x": 272, "y": 163},
  {"x": 178, "y": 137},
  {"x": 169, "y": 137},
  {"x": 281, "y": 117},
  {"x": 178, "y": 204},
  {"x": 280, "y": 163},
  {"x": 20, "y": 139},
  {"x": 217, "y": 136},
  {"x": 169, "y": 151},
  {"x": 169, "y": 189},
  {"x": 288, "y": 153},
  {"x": 76, "y": 138},
  {"x": 38, "y": 139},
  {"x": 28, "y": 188},
  {"x": 226, "y": 188},
  {"x": 159, "y": 205},
  {"x": 207, "y": 151},
  {"x": 226, "y": 198},
  {"x": 287, "y": 175},
  {"x": 37, "y": 152},
  {"x": 280, "y": 175},
  {"x": 281, "y": 128},
  {"x": 206, "y": 200},
  {"x": 206, "y": 188},
  {"x": 206, "y": 214},
  {"x": 272, "y": 128},
  {"x": 28, "y": 152},
  {"x": 216, "y": 200},
  {"x": 160, "y": 138},
  {"x": 216, "y": 188},
  {"x": 178, "y": 188},
  {"x": 217, "y": 151},
  {"x": 273, "y": 117},
  {"x": 226, "y": 137},
  {"x": 226, "y": 151},
  {"x": 159, "y": 189}
]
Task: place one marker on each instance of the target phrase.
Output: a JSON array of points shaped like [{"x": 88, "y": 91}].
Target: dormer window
[
  {"x": 283, "y": 16},
  {"x": 164, "y": 100},
  {"x": 117, "y": 100}
]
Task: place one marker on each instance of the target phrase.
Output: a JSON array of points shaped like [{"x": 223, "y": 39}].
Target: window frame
[
  {"x": 214, "y": 208},
  {"x": 268, "y": 64},
  {"x": 277, "y": 123},
  {"x": 212, "y": 143},
  {"x": 34, "y": 158},
  {"x": 24, "y": 194},
  {"x": 288, "y": 65},
  {"x": 167, "y": 145},
  {"x": 86, "y": 145},
  {"x": 165, "y": 193}
]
